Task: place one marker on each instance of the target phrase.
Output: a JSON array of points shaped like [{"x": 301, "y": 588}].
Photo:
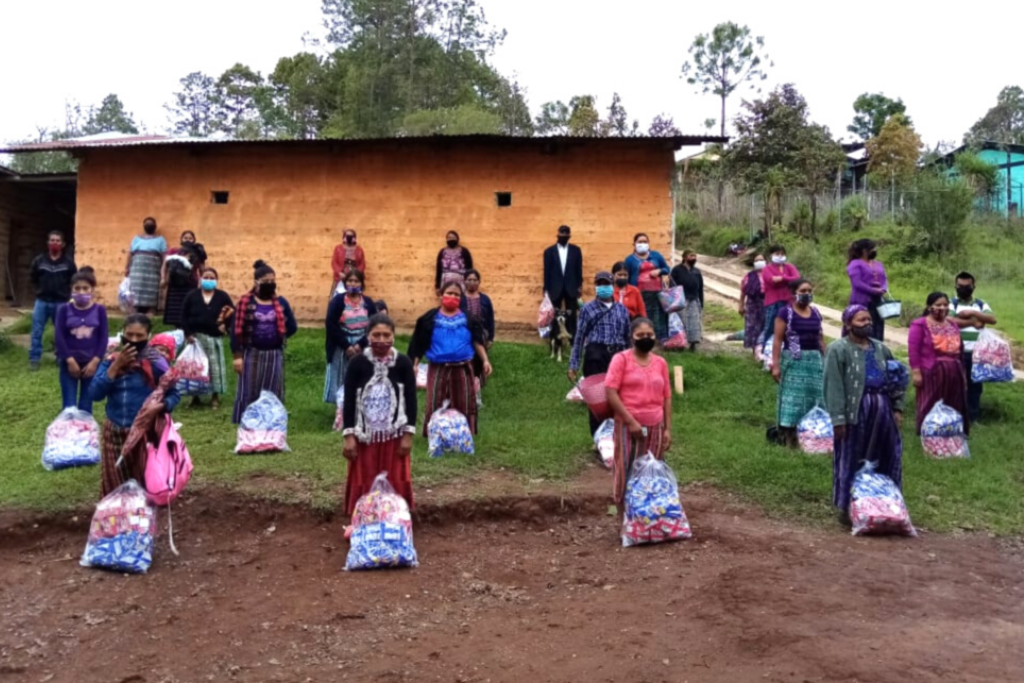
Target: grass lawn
[{"x": 528, "y": 428}]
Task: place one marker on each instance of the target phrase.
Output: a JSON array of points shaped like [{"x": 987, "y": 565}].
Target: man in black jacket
[
  {"x": 51, "y": 277},
  {"x": 563, "y": 276}
]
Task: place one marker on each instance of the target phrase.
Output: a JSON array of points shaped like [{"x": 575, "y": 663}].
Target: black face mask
[
  {"x": 139, "y": 346},
  {"x": 644, "y": 344},
  {"x": 563, "y": 240},
  {"x": 691, "y": 262},
  {"x": 621, "y": 282},
  {"x": 863, "y": 332},
  {"x": 964, "y": 292},
  {"x": 452, "y": 244},
  {"x": 266, "y": 290},
  {"x": 150, "y": 229}
]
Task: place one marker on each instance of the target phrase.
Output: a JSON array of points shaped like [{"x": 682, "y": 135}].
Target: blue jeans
[
  {"x": 74, "y": 392},
  {"x": 44, "y": 310},
  {"x": 769, "y": 321}
]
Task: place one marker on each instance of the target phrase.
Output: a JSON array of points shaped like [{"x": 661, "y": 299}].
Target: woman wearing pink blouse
[
  {"x": 641, "y": 398},
  {"x": 775, "y": 280}
]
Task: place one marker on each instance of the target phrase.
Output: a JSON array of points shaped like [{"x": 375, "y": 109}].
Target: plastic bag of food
[
  {"x": 544, "y": 332},
  {"x": 546, "y": 312},
  {"x": 381, "y": 530},
  {"x": 604, "y": 442},
  {"x": 179, "y": 339},
  {"x": 814, "y": 432},
  {"x": 676, "y": 333},
  {"x": 575, "y": 396},
  {"x": 264, "y": 426},
  {"x": 125, "y": 297},
  {"x": 766, "y": 354},
  {"x": 72, "y": 440},
  {"x": 942, "y": 433},
  {"x": 448, "y": 432},
  {"x": 339, "y": 412},
  {"x": 877, "y": 506},
  {"x": 421, "y": 375},
  {"x": 991, "y": 359},
  {"x": 193, "y": 371},
  {"x": 122, "y": 530},
  {"x": 653, "y": 511}
]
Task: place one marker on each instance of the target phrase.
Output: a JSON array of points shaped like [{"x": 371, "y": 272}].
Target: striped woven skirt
[
  {"x": 335, "y": 376},
  {"x": 627, "y": 450},
  {"x": 875, "y": 437},
  {"x": 656, "y": 314},
  {"x": 800, "y": 387},
  {"x": 452, "y": 382},
  {"x": 262, "y": 369},
  {"x": 213, "y": 347},
  {"x": 144, "y": 276},
  {"x": 112, "y": 476},
  {"x": 173, "y": 304},
  {"x": 693, "y": 321}
]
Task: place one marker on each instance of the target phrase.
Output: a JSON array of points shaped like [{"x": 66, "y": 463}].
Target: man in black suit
[{"x": 563, "y": 276}]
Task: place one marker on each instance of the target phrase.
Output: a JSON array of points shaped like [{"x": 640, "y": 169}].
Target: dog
[{"x": 560, "y": 338}]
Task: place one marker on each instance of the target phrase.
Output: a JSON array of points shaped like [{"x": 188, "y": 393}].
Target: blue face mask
[
  {"x": 208, "y": 285},
  {"x": 605, "y": 292}
]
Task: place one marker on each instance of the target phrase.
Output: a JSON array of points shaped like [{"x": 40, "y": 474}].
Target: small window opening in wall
[
  {"x": 503, "y": 198},
  {"x": 219, "y": 197}
]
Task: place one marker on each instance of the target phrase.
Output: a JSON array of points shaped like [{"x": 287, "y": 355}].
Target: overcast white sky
[{"x": 948, "y": 66}]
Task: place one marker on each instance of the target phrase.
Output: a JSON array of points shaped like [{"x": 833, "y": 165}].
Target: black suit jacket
[{"x": 557, "y": 285}]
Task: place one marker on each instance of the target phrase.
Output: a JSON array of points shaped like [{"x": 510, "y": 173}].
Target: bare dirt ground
[{"x": 513, "y": 585}]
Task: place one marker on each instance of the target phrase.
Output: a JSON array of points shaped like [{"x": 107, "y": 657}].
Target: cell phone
[{"x": 643, "y": 430}]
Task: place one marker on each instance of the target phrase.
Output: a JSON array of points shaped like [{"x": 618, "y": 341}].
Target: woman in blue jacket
[
  {"x": 125, "y": 379},
  {"x": 646, "y": 269}
]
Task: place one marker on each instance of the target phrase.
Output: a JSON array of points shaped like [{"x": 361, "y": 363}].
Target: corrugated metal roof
[{"x": 106, "y": 140}]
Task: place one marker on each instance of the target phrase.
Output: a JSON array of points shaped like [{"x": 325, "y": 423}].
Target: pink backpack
[{"x": 168, "y": 467}]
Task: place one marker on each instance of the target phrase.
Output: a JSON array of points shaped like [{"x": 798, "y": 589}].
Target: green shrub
[
  {"x": 853, "y": 212},
  {"x": 941, "y": 209},
  {"x": 800, "y": 219}
]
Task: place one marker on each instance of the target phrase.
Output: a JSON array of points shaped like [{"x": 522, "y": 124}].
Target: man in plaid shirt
[{"x": 602, "y": 331}]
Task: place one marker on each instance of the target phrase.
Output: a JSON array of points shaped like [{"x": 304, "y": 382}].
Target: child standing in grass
[
  {"x": 126, "y": 379},
  {"x": 80, "y": 335},
  {"x": 641, "y": 398}
]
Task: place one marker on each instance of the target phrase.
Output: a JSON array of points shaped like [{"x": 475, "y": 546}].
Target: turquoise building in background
[{"x": 1009, "y": 162}]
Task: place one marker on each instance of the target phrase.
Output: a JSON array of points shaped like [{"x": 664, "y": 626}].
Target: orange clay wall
[{"x": 288, "y": 205}]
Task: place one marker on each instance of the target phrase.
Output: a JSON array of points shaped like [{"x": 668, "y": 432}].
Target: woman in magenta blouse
[
  {"x": 867, "y": 282},
  {"x": 776, "y": 279},
  {"x": 935, "y": 348}
]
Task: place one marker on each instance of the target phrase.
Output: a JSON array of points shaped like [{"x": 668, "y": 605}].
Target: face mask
[
  {"x": 778, "y": 260},
  {"x": 208, "y": 285},
  {"x": 187, "y": 243},
  {"x": 381, "y": 348},
  {"x": 55, "y": 249},
  {"x": 450, "y": 303},
  {"x": 350, "y": 240},
  {"x": 872, "y": 254},
  {"x": 863, "y": 332},
  {"x": 452, "y": 244},
  {"x": 563, "y": 240},
  {"x": 644, "y": 344},
  {"x": 692, "y": 262},
  {"x": 964, "y": 292},
  {"x": 621, "y": 282},
  {"x": 642, "y": 248},
  {"x": 805, "y": 298},
  {"x": 81, "y": 299},
  {"x": 266, "y": 290},
  {"x": 472, "y": 286},
  {"x": 354, "y": 290},
  {"x": 759, "y": 265},
  {"x": 605, "y": 292},
  {"x": 150, "y": 229},
  {"x": 139, "y": 346}
]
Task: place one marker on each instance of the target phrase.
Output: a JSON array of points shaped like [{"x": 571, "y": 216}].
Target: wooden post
[{"x": 679, "y": 379}]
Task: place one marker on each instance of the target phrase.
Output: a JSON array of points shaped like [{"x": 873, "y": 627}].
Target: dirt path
[{"x": 531, "y": 588}]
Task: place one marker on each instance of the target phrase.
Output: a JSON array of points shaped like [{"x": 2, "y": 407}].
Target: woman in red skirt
[
  {"x": 379, "y": 415},
  {"x": 935, "y": 349},
  {"x": 450, "y": 340},
  {"x": 641, "y": 398}
]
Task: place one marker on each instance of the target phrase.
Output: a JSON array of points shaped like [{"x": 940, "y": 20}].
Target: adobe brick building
[{"x": 288, "y": 202}]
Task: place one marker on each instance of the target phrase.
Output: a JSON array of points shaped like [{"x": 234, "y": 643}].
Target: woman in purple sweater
[
  {"x": 867, "y": 282},
  {"x": 80, "y": 335}
]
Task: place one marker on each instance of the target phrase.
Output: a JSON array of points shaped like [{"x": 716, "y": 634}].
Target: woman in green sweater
[{"x": 864, "y": 388}]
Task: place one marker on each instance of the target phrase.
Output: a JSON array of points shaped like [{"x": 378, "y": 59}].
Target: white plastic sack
[
  {"x": 421, "y": 375},
  {"x": 815, "y": 433},
  {"x": 122, "y": 530},
  {"x": 991, "y": 361},
  {"x": 193, "y": 371},
  {"x": 448, "y": 432},
  {"x": 942, "y": 433},
  {"x": 575, "y": 396},
  {"x": 72, "y": 440},
  {"x": 339, "y": 411},
  {"x": 125, "y": 298},
  {"x": 264, "y": 426},
  {"x": 604, "y": 442},
  {"x": 653, "y": 511}
]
